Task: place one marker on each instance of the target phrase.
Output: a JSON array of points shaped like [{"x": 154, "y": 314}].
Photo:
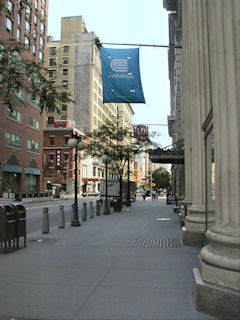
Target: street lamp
[
  {"x": 106, "y": 159},
  {"x": 75, "y": 142}
]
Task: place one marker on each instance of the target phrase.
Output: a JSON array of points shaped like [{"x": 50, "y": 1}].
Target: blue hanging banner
[{"x": 121, "y": 76}]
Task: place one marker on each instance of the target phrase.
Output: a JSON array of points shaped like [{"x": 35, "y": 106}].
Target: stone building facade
[{"x": 208, "y": 31}]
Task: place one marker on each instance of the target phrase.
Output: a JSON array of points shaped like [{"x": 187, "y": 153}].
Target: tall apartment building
[
  {"x": 74, "y": 64},
  {"x": 21, "y": 137}
]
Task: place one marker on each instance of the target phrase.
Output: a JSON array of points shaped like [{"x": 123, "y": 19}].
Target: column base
[
  {"x": 216, "y": 300},
  {"x": 190, "y": 238}
]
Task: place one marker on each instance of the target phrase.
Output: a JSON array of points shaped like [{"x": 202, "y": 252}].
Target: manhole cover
[
  {"x": 156, "y": 243},
  {"x": 43, "y": 240}
]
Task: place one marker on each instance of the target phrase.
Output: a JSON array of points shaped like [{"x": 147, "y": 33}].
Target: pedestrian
[{"x": 144, "y": 194}]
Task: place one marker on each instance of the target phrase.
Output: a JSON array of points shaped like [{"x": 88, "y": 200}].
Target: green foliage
[
  {"x": 161, "y": 178},
  {"x": 19, "y": 74},
  {"x": 119, "y": 143}
]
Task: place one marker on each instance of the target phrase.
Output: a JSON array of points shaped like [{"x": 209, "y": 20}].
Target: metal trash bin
[
  {"x": 21, "y": 221},
  {"x": 7, "y": 225}
]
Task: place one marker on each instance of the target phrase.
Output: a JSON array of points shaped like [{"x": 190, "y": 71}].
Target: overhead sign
[
  {"x": 121, "y": 76},
  {"x": 140, "y": 131},
  {"x": 58, "y": 158}
]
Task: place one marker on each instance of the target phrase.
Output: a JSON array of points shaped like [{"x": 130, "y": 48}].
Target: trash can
[
  {"x": 21, "y": 221},
  {"x": 7, "y": 225},
  {"x": 117, "y": 205}
]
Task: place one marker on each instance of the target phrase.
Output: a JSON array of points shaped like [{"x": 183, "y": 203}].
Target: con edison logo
[{"x": 119, "y": 65}]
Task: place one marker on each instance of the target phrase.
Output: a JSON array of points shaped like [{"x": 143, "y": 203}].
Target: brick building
[{"x": 21, "y": 136}]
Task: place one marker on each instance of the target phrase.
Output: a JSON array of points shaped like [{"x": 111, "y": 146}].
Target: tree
[
  {"x": 120, "y": 143},
  {"x": 161, "y": 178},
  {"x": 19, "y": 74}
]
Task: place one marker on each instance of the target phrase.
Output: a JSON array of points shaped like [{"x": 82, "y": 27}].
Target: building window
[
  {"x": 36, "y": 4},
  {"x": 52, "y": 84},
  {"x": 34, "y": 49},
  {"x": 41, "y": 42},
  {"x": 33, "y": 146},
  {"x": 51, "y": 157},
  {"x": 27, "y": 27},
  {"x": 14, "y": 114},
  {"x": 65, "y": 72},
  {"x": 10, "y": 7},
  {"x": 51, "y": 108},
  {"x": 52, "y": 61},
  {"x": 9, "y": 25},
  {"x": 44, "y": 3},
  {"x": 19, "y": 16},
  {"x": 18, "y": 34},
  {"x": 66, "y": 138},
  {"x": 35, "y": 19},
  {"x": 51, "y": 141},
  {"x": 65, "y": 60},
  {"x": 13, "y": 140},
  {"x": 50, "y": 120},
  {"x": 53, "y": 50},
  {"x": 34, "y": 123},
  {"x": 43, "y": 14},
  {"x": 41, "y": 57},
  {"x": 65, "y": 83},
  {"x": 50, "y": 171},
  {"x": 34, "y": 102},
  {"x": 66, "y": 155},
  {"x": 28, "y": 11},
  {"x": 64, "y": 107},
  {"x": 42, "y": 28},
  {"x": 34, "y": 34},
  {"x": 66, "y": 49},
  {"x": 94, "y": 171},
  {"x": 27, "y": 42},
  {"x": 52, "y": 73}
]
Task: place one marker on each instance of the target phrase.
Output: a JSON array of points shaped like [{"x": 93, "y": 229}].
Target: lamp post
[
  {"x": 128, "y": 204},
  {"x": 106, "y": 159},
  {"x": 75, "y": 142}
]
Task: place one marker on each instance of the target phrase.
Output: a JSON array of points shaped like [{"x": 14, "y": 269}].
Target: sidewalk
[{"x": 128, "y": 265}]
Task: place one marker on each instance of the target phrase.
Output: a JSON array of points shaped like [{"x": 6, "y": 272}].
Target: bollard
[
  {"x": 98, "y": 208},
  {"x": 91, "y": 212},
  {"x": 61, "y": 217},
  {"x": 84, "y": 211},
  {"x": 45, "y": 221}
]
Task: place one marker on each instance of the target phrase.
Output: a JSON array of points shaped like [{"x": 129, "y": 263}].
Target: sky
[{"x": 135, "y": 22}]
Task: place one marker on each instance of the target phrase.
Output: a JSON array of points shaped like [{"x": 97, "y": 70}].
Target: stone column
[
  {"x": 195, "y": 222},
  {"x": 185, "y": 89},
  {"x": 218, "y": 277}
]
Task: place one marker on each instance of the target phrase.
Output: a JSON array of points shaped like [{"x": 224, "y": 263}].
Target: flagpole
[{"x": 97, "y": 42}]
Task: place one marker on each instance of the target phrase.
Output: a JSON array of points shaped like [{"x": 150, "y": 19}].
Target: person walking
[{"x": 144, "y": 195}]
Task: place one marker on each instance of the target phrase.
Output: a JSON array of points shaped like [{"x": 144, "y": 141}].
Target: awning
[
  {"x": 32, "y": 171},
  {"x": 11, "y": 168}
]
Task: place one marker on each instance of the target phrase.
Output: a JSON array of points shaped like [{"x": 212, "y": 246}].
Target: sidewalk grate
[{"x": 156, "y": 243}]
